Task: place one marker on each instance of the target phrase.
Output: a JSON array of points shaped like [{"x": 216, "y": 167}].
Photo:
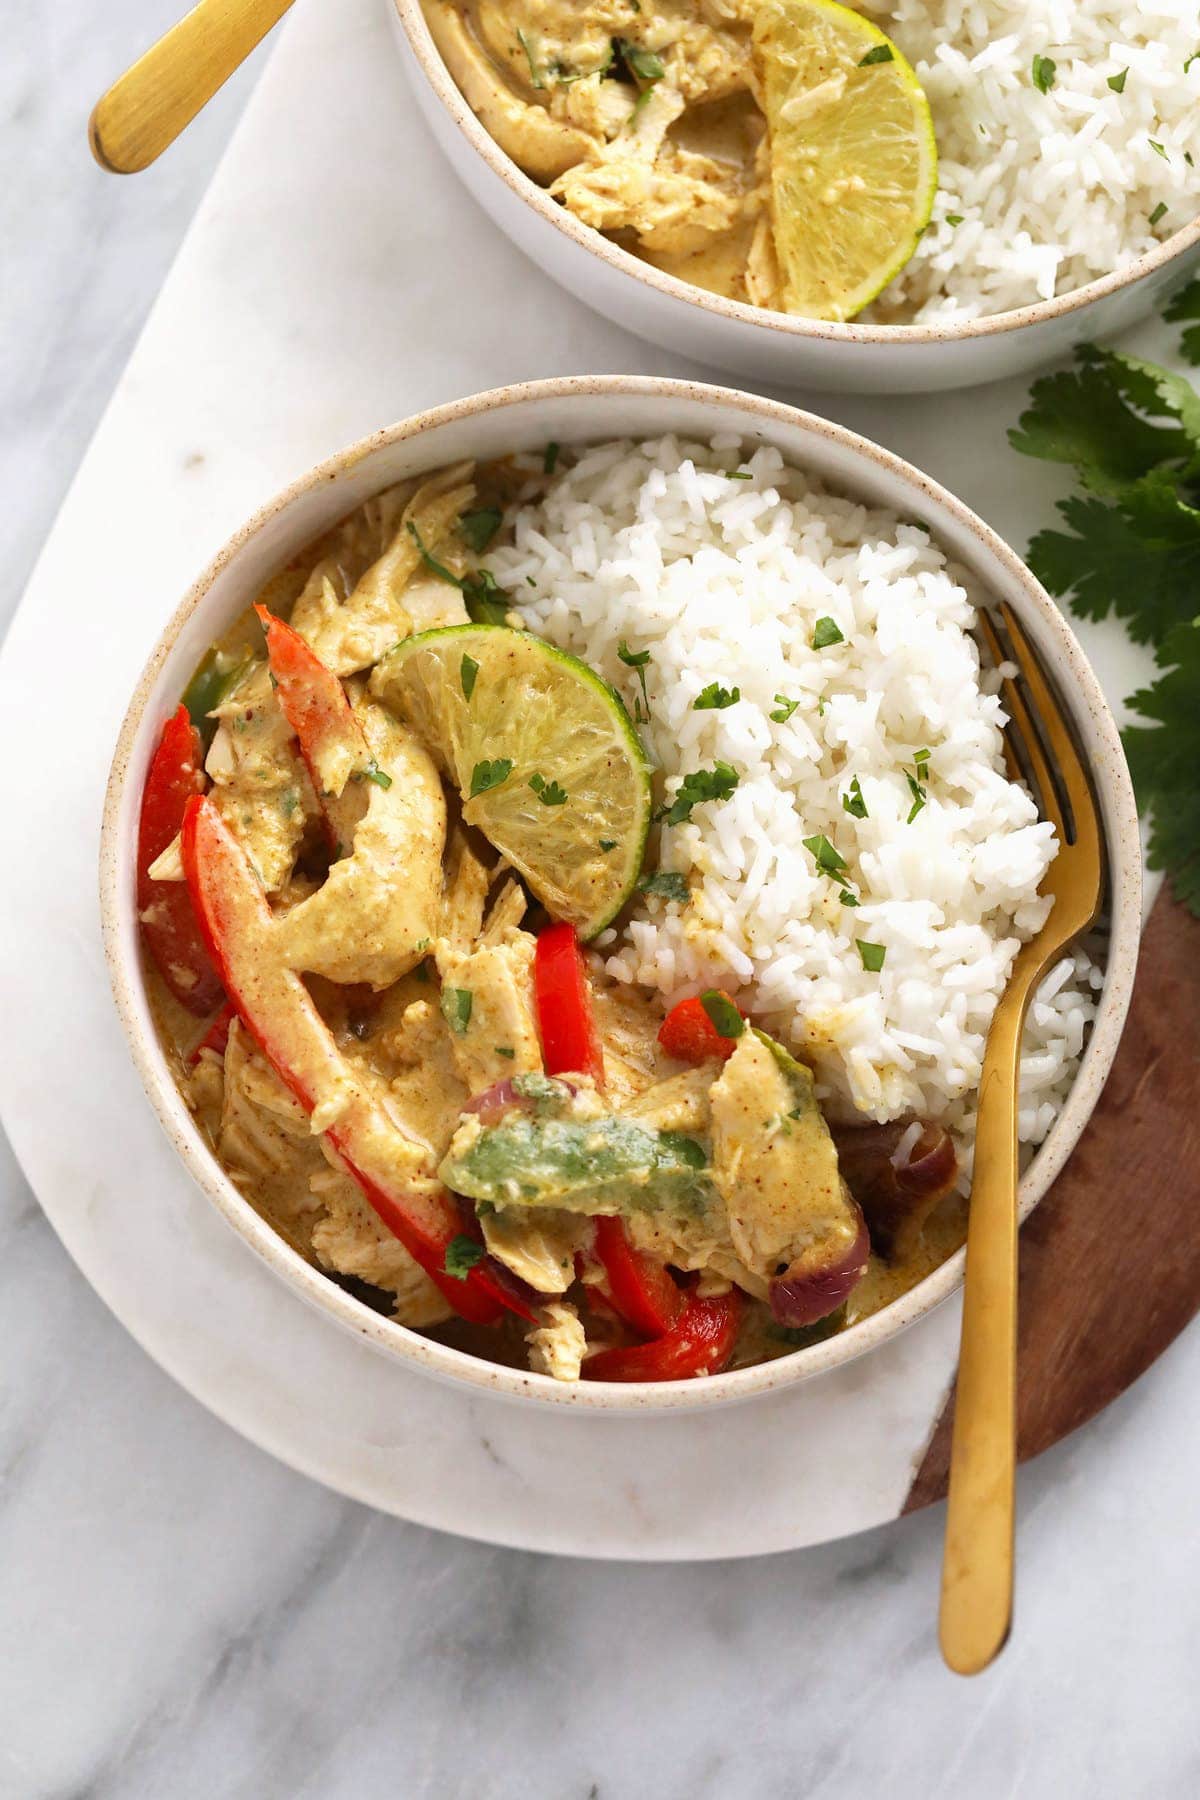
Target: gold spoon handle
[
  {"x": 977, "y": 1564},
  {"x": 147, "y": 108}
]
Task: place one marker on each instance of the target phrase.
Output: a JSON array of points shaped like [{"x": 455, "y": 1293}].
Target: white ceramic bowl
[
  {"x": 583, "y": 410},
  {"x": 770, "y": 347}
]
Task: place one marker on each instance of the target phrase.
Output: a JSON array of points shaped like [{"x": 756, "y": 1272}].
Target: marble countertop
[{"x": 184, "y": 1616}]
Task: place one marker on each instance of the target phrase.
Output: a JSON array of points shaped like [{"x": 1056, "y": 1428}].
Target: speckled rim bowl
[
  {"x": 770, "y": 347},
  {"x": 583, "y": 410}
]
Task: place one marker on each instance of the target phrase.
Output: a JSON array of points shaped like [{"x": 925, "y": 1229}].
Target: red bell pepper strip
[
  {"x": 639, "y": 1289},
  {"x": 314, "y": 703},
  {"x": 689, "y": 1034},
  {"x": 700, "y": 1343},
  {"x": 165, "y": 910},
  {"x": 217, "y": 1035},
  {"x": 277, "y": 1010},
  {"x": 566, "y": 1020}
]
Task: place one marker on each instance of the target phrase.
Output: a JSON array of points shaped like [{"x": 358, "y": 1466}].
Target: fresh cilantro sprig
[{"x": 1131, "y": 431}]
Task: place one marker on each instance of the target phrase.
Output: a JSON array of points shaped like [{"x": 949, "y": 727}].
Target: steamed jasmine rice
[
  {"x": 1068, "y": 136},
  {"x": 865, "y": 878}
]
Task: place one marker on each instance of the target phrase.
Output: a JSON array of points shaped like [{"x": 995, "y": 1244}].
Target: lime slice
[
  {"x": 543, "y": 753},
  {"x": 853, "y": 157}
]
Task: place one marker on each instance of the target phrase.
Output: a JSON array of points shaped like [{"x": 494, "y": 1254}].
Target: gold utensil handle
[
  {"x": 147, "y": 108},
  {"x": 977, "y": 1567}
]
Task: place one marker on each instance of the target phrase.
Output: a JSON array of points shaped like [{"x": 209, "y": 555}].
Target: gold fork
[{"x": 977, "y": 1565}]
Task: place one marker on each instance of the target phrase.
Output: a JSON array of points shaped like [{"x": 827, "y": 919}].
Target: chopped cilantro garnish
[
  {"x": 784, "y": 708},
  {"x": 1044, "y": 71},
  {"x": 921, "y": 756},
  {"x": 485, "y": 600},
  {"x": 846, "y": 898},
  {"x": 468, "y": 670},
  {"x": 739, "y": 475},
  {"x": 374, "y": 773},
  {"x": 872, "y": 956},
  {"x": 1160, "y": 212},
  {"x": 548, "y": 792},
  {"x": 535, "y": 74},
  {"x": 504, "y": 1050},
  {"x": 724, "y": 1015},
  {"x": 550, "y": 458},
  {"x": 462, "y": 1253},
  {"x": 607, "y": 844},
  {"x": 636, "y": 659},
  {"x": 644, "y": 64},
  {"x": 824, "y": 855},
  {"x": 456, "y": 1008},
  {"x": 918, "y": 796},
  {"x": 480, "y": 527},
  {"x": 667, "y": 882},
  {"x": 826, "y": 631},
  {"x": 1194, "y": 57},
  {"x": 954, "y": 218},
  {"x": 431, "y": 562},
  {"x": 716, "y": 783},
  {"x": 715, "y": 698},
  {"x": 1117, "y": 82},
  {"x": 879, "y": 53},
  {"x": 487, "y": 775},
  {"x": 853, "y": 802},
  {"x": 1155, "y": 145}
]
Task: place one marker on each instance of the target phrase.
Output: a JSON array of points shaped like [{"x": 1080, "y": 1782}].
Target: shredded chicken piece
[
  {"x": 558, "y": 1342},
  {"x": 495, "y": 1035},
  {"x": 541, "y": 1250},
  {"x": 351, "y": 1240},
  {"x": 374, "y": 916},
  {"x": 351, "y": 631}
]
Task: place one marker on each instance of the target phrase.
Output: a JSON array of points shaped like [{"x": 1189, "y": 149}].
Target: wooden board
[{"x": 1110, "y": 1260}]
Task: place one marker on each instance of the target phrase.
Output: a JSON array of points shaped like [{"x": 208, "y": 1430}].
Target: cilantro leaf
[
  {"x": 1163, "y": 759},
  {"x": 826, "y": 631},
  {"x": 667, "y": 882},
  {"x": 468, "y": 669},
  {"x": 1110, "y": 565},
  {"x": 480, "y": 527},
  {"x": 1043, "y": 73},
  {"x": 1183, "y": 308},
  {"x": 853, "y": 802},
  {"x": 456, "y": 1008},
  {"x": 715, "y": 698},
  {"x": 462, "y": 1253},
  {"x": 1086, "y": 416},
  {"x": 486, "y": 775},
  {"x": 824, "y": 855},
  {"x": 726, "y": 1020},
  {"x": 880, "y": 53},
  {"x": 548, "y": 792},
  {"x": 644, "y": 64},
  {"x": 784, "y": 708},
  {"x": 872, "y": 956},
  {"x": 716, "y": 783}
]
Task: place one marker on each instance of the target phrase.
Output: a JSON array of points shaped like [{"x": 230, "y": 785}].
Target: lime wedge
[
  {"x": 853, "y": 157},
  {"x": 543, "y": 753}
]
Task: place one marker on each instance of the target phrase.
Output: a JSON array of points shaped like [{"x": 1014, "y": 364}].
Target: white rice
[
  {"x": 724, "y": 580},
  {"x": 1055, "y": 189}
]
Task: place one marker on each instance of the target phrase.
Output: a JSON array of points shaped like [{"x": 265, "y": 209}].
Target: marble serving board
[{"x": 337, "y": 278}]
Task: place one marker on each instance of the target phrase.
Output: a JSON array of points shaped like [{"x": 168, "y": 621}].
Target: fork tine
[
  {"x": 1018, "y": 713},
  {"x": 1071, "y": 770}
]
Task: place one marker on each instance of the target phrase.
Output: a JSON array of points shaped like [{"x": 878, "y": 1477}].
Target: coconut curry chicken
[
  {"x": 375, "y": 838},
  {"x": 778, "y": 152}
]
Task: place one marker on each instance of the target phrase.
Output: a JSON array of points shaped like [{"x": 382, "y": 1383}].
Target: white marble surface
[{"x": 184, "y": 1616}]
